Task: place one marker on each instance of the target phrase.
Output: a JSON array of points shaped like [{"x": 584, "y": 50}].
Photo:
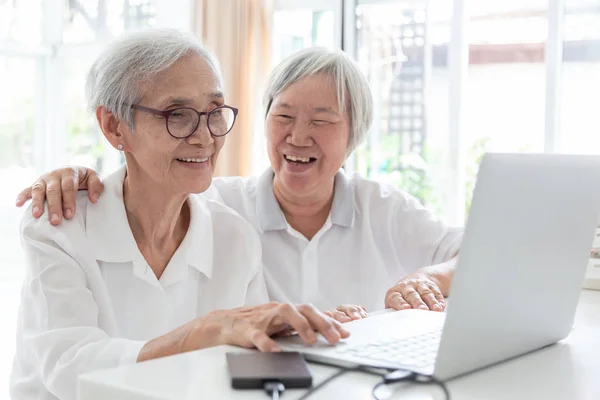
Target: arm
[
  {"x": 60, "y": 187},
  {"x": 424, "y": 241}
]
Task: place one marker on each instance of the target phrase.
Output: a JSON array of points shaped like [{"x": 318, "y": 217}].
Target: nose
[
  {"x": 201, "y": 137},
  {"x": 299, "y": 136}
]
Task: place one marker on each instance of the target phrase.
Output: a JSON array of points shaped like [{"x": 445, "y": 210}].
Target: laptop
[{"x": 518, "y": 279}]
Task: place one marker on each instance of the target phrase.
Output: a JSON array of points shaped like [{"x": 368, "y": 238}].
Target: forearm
[
  {"x": 198, "y": 334},
  {"x": 442, "y": 274}
]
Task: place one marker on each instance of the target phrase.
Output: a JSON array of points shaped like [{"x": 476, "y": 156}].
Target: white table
[{"x": 568, "y": 370}]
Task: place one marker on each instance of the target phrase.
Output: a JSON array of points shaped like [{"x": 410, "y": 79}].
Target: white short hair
[
  {"x": 346, "y": 74},
  {"x": 115, "y": 78}
]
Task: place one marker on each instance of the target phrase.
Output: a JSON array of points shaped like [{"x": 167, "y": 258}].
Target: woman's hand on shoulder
[
  {"x": 59, "y": 188},
  {"x": 253, "y": 326}
]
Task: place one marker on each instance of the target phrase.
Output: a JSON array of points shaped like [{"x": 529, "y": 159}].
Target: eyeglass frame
[{"x": 167, "y": 113}]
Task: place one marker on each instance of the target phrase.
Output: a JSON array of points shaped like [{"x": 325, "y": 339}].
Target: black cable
[
  {"x": 407, "y": 376},
  {"x": 274, "y": 389},
  {"x": 362, "y": 368},
  {"x": 331, "y": 377}
]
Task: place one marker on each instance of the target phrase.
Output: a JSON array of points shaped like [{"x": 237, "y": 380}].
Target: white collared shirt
[
  {"x": 374, "y": 236},
  {"x": 90, "y": 301}
]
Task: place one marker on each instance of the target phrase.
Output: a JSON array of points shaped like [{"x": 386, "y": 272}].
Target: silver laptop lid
[{"x": 522, "y": 259}]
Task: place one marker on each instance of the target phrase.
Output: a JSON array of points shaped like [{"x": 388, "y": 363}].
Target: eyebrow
[
  {"x": 327, "y": 110},
  {"x": 187, "y": 101}
]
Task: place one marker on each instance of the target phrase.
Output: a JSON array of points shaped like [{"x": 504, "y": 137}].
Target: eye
[
  {"x": 320, "y": 122},
  {"x": 284, "y": 118}
]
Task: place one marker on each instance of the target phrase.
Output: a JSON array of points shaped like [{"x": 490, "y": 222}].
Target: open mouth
[
  {"x": 299, "y": 160},
  {"x": 193, "y": 160}
]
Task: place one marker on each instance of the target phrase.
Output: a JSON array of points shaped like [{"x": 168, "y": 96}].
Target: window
[
  {"x": 505, "y": 88},
  {"x": 46, "y": 49},
  {"x": 21, "y": 22},
  {"x": 298, "y": 25},
  {"x": 580, "y": 89},
  {"x": 407, "y": 71}
]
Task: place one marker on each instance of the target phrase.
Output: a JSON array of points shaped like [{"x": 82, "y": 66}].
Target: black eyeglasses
[{"x": 183, "y": 122}]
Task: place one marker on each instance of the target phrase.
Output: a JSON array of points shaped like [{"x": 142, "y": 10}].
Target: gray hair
[
  {"x": 115, "y": 78},
  {"x": 346, "y": 74}
]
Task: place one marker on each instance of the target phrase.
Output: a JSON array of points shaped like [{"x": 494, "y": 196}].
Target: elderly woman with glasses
[
  {"x": 151, "y": 269},
  {"x": 328, "y": 237}
]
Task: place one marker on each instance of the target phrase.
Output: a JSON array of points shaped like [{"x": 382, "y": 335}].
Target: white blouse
[
  {"x": 374, "y": 236},
  {"x": 90, "y": 301}
]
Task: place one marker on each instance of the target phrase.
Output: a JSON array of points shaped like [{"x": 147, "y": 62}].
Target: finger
[
  {"x": 351, "y": 311},
  {"x": 413, "y": 297},
  {"x": 439, "y": 297},
  {"x": 361, "y": 311},
  {"x": 396, "y": 301},
  {"x": 290, "y": 315},
  {"x": 23, "y": 197},
  {"x": 340, "y": 316},
  {"x": 262, "y": 341},
  {"x": 54, "y": 199},
  {"x": 428, "y": 297},
  {"x": 69, "y": 194},
  {"x": 94, "y": 184},
  {"x": 38, "y": 196},
  {"x": 331, "y": 329}
]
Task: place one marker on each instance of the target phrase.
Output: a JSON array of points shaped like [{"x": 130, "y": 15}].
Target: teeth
[
  {"x": 298, "y": 159},
  {"x": 194, "y": 160}
]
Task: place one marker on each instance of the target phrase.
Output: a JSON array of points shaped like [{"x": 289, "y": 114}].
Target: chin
[
  {"x": 297, "y": 183},
  {"x": 197, "y": 186}
]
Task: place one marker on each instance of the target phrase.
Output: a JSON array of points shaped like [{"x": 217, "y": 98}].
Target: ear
[{"x": 113, "y": 128}]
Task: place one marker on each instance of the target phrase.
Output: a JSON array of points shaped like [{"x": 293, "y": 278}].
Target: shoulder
[
  {"x": 235, "y": 243},
  {"x": 32, "y": 227},
  {"x": 379, "y": 196},
  {"x": 237, "y": 193},
  {"x": 227, "y": 223},
  {"x": 233, "y": 186},
  {"x": 43, "y": 244}
]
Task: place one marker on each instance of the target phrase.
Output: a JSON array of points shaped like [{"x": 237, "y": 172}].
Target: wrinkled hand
[
  {"x": 418, "y": 290},
  {"x": 60, "y": 187},
  {"x": 252, "y": 326},
  {"x": 347, "y": 313}
]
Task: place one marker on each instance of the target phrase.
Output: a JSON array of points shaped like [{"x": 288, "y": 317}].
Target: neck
[
  {"x": 158, "y": 220},
  {"x": 306, "y": 214}
]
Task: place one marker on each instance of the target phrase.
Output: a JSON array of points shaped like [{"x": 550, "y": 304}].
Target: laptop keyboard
[{"x": 415, "y": 351}]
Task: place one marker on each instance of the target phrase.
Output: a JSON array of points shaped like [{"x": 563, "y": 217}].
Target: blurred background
[{"x": 451, "y": 79}]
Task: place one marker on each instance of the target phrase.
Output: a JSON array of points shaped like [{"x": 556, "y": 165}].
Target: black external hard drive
[{"x": 253, "y": 370}]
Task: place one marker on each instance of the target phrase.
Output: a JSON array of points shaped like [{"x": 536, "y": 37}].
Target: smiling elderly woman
[
  {"x": 141, "y": 273},
  {"x": 328, "y": 238}
]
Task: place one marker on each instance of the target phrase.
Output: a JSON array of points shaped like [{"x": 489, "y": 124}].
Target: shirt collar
[
  {"x": 342, "y": 208},
  {"x": 269, "y": 212},
  {"x": 108, "y": 229},
  {"x": 271, "y": 217}
]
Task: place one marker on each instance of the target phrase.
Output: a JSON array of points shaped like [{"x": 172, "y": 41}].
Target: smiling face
[
  {"x": 307, "y": 136},
  {"x": 177, "y": 165}
]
